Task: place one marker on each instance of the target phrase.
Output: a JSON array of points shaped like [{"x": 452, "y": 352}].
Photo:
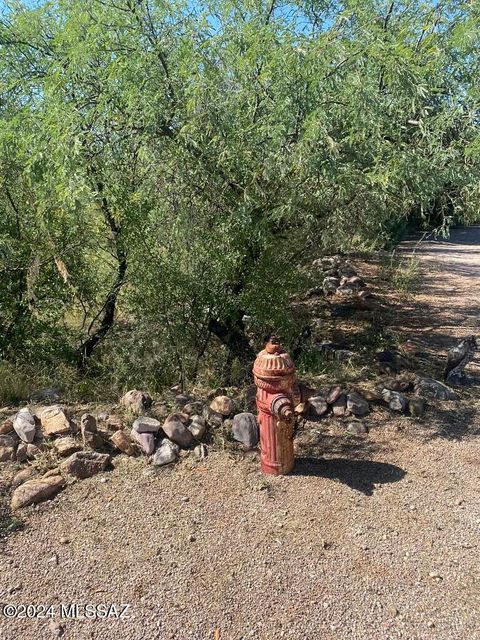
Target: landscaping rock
[
  {"x": 136, "y": 401},
  {"x": 36, "y": 490},
  {"x": 400, "y": 383},
  {"x": 177, "y": 432},
  {"x": 197, "y": 427},
  {"x": 7, "y": 453},
  {"x": 88, "y": 423},
  {"x": 339, "y": 406},
  {"x": 6, "y": 427},
  {"x": 144, "y": 424},
  {"x": 182, "y": 399},
  {"x": 200, "y": 451},
  {"x": 223, "y": 405},
  {"x": 21, "y": 453},
  {"x": 123, "y": 442},
  {"x": 330, "y": 285},
  {"x": 33, "y": 451},
  {"x": 166, "y": 453},
  {"x": 396, "y": 401},
  {"x": 146, "y": 441},
  {"x": 114, "y": 422},
  {"x": 430, "y": 388},
  {"x": 193, "y": 408},
  {"x": 245, "y": 429},
  {"x": 85, "y": 464},
  {"x": 357, "y": 404},
  {"x": 54, "y": 421},
  {"x": 66, "y": 446},
  {"x": 22, "y": 476},
  {"x": 356, "y": 428},
  {"x": 334, "y": 394},
  {"x": 318, "y": 406},
  {"x": 417, "y": 407},
  {"x": 24, "y": 425},
  {"x": 213, "y": 418}
]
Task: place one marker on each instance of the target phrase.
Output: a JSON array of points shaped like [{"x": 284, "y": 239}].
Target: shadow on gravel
[{"x": 361, "y": 475}]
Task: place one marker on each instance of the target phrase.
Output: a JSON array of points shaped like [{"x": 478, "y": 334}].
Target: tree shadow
[{"x": 360, "y": 475}]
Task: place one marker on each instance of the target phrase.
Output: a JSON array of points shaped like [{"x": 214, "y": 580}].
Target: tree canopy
[{"x": 167, "y": 167}]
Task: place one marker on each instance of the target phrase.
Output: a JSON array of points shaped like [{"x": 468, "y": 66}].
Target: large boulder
[
  {"x": 123, "y": 442},
  {"x": 430, "y": 388},
  {"x": 223, "y": 405},
  {"x": 177, "y": 432},
  {"x": 36, "y": 490},
  {"x": 144, "y": 424},
  {"x": 24, "y": 425},
  {"x": 166, "y": 453},
  {"x": 84, "y": 464},
  {"x": 245, "y": 429},
  {"x": 357, "y": 404},
  {"x": 146, "y": 441},
  {"x": 136, "y": 401},
  {"x": 54, "y": 421}
]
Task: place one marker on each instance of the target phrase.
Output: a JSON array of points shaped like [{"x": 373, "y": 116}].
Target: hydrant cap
[{"x": 273, "y": 361}]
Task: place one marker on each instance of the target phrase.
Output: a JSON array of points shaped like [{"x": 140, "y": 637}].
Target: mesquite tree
[{"x": 165, "y": 168}]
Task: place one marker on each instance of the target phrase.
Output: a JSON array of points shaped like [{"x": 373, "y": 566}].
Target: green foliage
[{"x": 166, "y": 168}]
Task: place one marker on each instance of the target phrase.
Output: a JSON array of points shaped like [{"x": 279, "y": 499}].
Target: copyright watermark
[{"x": 69, "y": 611}]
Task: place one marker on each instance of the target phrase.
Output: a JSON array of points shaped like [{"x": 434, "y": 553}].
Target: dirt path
[{"x": 372, "y": 538}]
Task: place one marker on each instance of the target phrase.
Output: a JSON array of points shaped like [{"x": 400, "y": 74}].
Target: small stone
[
  {"x": 396, "y": 401},
  {"x": 357, "y": 404},
  {"x": 356, "y": 428},
  {"x": 7, "y": 454},
  {"x": 435, "y": 575},
  {"x": 318, "y": 406},
  {"x": 339, "y": 406},
  {"x": 417, "y": 407},
  {"x": 430, "y": 388},
  {"x": 88, "y": 423},
  {"x": 36, "y": 490},
  {"x": 55, "y": 628},
  {"x": 143, "y": 424},
  {"x": 52, "y": 472},
  {"x": 213, "y": 418},
  {"x": 334, "y": 394},
  {"x": 64, "y": 540},
  {"x": 66, "y": 446},
  {"x": 24, "y": 425},
  {"x": 122, "y": 441},
  {"x": 54, "y": 421},
  {"x": 114, "y": 422},
  {"x": 177, "y": 432},
  {"x": 166, "y": 453},
  {"x": 84, "y": 464},
  {"x": 245, "y": 429},
  {"x": 21, "y": 454},
  {"x": 223, "y": 405},
  {"x": 191, "y": 538},
  {"x": 33, "y": 451},
  {"x": 330, "y": 285},
  {"x": 146, "y": 441},
  {"x": 93, "y": 440},
  {"x": 198, "y": 427},
  {"x": 136, "y": 401},
  {"x": 193, "y": 408},
  {"x": 22, "y": 476},
  {"x": 182, "y": 399},
  {"x": 399, "y": 383},
  {"x": 6, "y": 427},
  {"x": 200, "y": 451}
]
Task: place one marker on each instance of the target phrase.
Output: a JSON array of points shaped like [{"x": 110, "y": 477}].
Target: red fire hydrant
[{"x": 277, "y": 395}]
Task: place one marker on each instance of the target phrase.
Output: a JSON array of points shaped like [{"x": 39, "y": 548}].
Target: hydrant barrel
[{"x": 274, "y": 375}]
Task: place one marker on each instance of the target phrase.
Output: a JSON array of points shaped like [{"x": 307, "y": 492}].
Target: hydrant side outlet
[{"x": 274, "y": 375}]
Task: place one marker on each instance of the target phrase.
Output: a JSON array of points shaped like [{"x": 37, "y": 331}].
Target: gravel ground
[{"x": 373, "y": 537}]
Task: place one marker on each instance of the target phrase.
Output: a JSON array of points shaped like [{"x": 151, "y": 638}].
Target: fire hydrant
[{"x": 277, "y": 395}]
